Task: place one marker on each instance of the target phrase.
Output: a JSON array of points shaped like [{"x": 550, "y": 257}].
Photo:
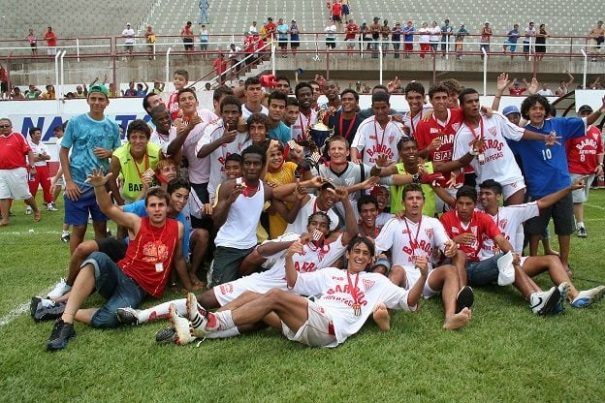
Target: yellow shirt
[
  {"x": 429, "y": 194},
  {"x": 277, "y": 224},
  {"x": 132, "y": 172}
]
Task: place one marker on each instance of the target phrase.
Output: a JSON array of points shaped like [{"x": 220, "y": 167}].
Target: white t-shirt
[
  {"x": 39, "y": 148},
  {"x": 247, "y": 112},
  {"x": 510, "y": 221},
  {"x": 333, "y": 286},
  {"x": 407, "y": 239},
  {"x": 302, "y": 123},
  {"x": 162, "y": 140},
  {"x": 199, "y": 168},
  {"x": 412, "y": 123},
  {"x": 425, "y": 36},
  {"x": 129, "y": 35},
  {"x": 302, "y": 218},
  {"x": 530, "y": 35},
  {"x": 499, "y": 163},
  {"x": 216, "y": 159},
  {"x": 372, "y": 140}
]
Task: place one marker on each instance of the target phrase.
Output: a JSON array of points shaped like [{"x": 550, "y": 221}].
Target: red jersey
[
  {"x": 173, "y": 105},
  {"x": 13, "y": 149},
  {"x": 428, "y": 130},
  {"x": 336, "y": 9},
  {"x": 515, "y": 92},
  {"x": 148, "y": 259},
  {"x": 351, "y": 31},
  {"x": 481, "y": 226},
  {"x": 582, "y": 152},
  {"x": 50, "y": 38}
]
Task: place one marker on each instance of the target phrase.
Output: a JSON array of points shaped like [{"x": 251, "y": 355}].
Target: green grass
[{"x": 506, "y": 354}]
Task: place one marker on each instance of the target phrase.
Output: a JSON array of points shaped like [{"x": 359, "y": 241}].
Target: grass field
[{"x": 505, "y": 354}]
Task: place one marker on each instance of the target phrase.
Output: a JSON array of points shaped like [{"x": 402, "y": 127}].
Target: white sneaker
[
  {"x": 544, "y": 302},
  {"x": 181, "y": 327},
  {"x": 60, "y": 289},
  {"x": 51, "y": 207},
  {"x": 28, "y": 210},
  {"x": 588, "y": 297}
]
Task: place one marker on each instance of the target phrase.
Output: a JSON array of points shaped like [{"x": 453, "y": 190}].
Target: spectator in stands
[
  {"x": 545, "y": 91},
  {"x": 202, "y": 18},
  {"x": 364, "y": 37},
  {"x": 385, "y": 30},
  {"x": 336, "y": 12},
  {"x": 486, "y": 36},
  {"x": 81, "y": 91},
  {"x": 375, "y": 30},
  {"x": 529, "y": 39},
  {"x": 459, "y": 41},
  {"x": 446, "y": 34},
  {"x": 516, "y": 90},
  {"x": 14, "y": 171},
  {"x": 511, "y": 41},
  {"x": 49, "y": 94},
  {"x": 585, "y": 160},
  {"x": 396, "y": 39},
  {"x": 330, "y": 31},
  {"x": 128, "y": 34},
  {"x": 131, "y": 91},
  {"x": 187, "y": 35},
  {"x": 351, "y": 31},
  {"x": 541, "y": 36},
  {"x": 435, "y": 36},
  {"x": 33, "y": 42},
  {"x": 3, "y": 83},
  {"x": 17, "y": 95},
  {"x": 564, "y": 85},
  {"x": 253, "y": 28},
  {"x": 294, "y": 37},
  {"x": 150, "y": 39},
  {"x": 142, "y": 89},
  {"x": 598, "y": 35},
  {"x": 204, "y": 39},
  {"x": 346, "y": 9},
  {"x": 408, "y": 38},
  {"x": 269, "y": 29},
  {"x": 32, "y": 92},
  {"x": 282, "y": 36},
  {"x": 51, "y": 41},
  {"x": 425, "y": 39}
]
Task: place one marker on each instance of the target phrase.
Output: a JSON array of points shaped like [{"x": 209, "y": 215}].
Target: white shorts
[
  {"x": 255, "y": 282},
  {"x": 317, "y": 331},
  {"x": 13, "y": 184},
  {"x": 512, "y": 188},
  {"x": 581, "y": 195},
  {"x": 412, "y": 275}
]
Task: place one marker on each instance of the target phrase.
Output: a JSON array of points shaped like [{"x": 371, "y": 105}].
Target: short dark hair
[
  {"x": 384, "y": 88},
  {"x": 254, "y": 80},
  {"x": 183, "y": 73},
  {"x": 366, "y": 199},
  {"x": 350, "y": 91},
  {"x": 283, "y": 78},
  {"x": 220, "y": 91},
  {"x": 380, "y": 97},
  {"x": 184, "y": 90},
  {"x": 412, "y": 187},
  {"x": 258, "y": 118},
  {"x": 531, "y": 101},
  {"x": 414, "y": 86},
  {"x": 139, "y": 125},
  {"x": 34, "y": 129},
  {"x": 364, "y": 240},
  {"x": 405, "y": 139},
  {"x": 320, "y": 214},
  {"x": 467, "y": 191},
  {"x": 437, "y": 88},
  {"x": 158, "y": 109},
  {"x": 491, "y": 184},
  {"x": 465, "y": 92},
  {"x": 146, "y": 99},
  {"x": 234, "y": 157},
  {"x": 159, "y": 193},
  {"x": 255, "y": 149},
  {"x": 291, "y": 101},
  {"x": 453, "y": 86},
  {"x": 302, "y": 84},
  {"x": 231, "y": 100},
  {"x": 280, "y": 96},
  {"x": 178, "y": 183}
]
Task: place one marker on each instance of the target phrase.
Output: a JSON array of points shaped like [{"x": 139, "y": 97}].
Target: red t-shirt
[
  {"x": 13, "y": 149},
  {"x": 336, "y": 9},
  {"x": 50, "y": 38},
  {"x": 430, "y": 129},
  {"x": 270, "y": 28},
  {"x": 481, "y": 225},
  {"x": 516, "y": 91},
  {"x": 148, "y": 259},
  {"x": 582, "y": 152},
  {"x": 173, "y": 105},
  {"x": 351, "y": 31}
]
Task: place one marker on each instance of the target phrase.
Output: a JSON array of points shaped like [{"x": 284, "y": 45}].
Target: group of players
[{"x": 293, "y": 224}]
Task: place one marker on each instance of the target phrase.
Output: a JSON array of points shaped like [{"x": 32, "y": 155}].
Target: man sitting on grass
[{"x": 145, "y": 269}]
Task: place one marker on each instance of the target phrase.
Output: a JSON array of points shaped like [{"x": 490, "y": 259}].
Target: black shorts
[
  {"x": 600, "y": 40},
  {"x": 188, "y": 43},
  {"x": 294, "y": 45},
  {"x": 336, "y": 18},
  {"x": 283, "y": 44},
  {"x": 113, "y": 247},
  {"x": 562, "y": 215}
]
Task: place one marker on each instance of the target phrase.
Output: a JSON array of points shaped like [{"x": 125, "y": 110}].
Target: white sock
[
  {"x": 161, "y": 311},
  {"x": 225, "y": 319},
  {"x": 223, "y": 334}
]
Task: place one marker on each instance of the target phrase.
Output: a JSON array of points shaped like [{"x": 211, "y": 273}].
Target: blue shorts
[
  {"x": 484, "y": 272},
  {"x": 76, "y": 212},
  {"x": 112, "y": 284},
  {"x": 512, "y": 46}
]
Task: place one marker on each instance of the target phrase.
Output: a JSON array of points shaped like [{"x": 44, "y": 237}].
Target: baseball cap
[
  {"x": 585, "y": 109},
  {"x": 99, "y": 88},
  {"x": 510, "y": 109}
]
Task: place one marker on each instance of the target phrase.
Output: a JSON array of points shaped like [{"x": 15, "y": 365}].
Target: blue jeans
[
  {"x": 112, "y": 284},
  {"x": 483, "y": 272}
]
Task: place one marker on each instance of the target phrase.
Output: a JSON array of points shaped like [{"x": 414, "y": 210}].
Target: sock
[
  {"x": 223, "y": 334},
  {"x": 225, "y": 319},
  {"x": 161, "y": 311}
]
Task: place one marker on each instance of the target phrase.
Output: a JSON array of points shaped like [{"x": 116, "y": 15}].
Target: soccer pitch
[{"x": 505, "y": 354}]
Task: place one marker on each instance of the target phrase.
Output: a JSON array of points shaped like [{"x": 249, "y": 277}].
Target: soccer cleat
[
  {"x": 181, "y": 326},
  {"x": 544, "y": 302},
  {"x": 65, "y": 236},
  {"x": 51, "y": 207},
  {"x": 166, "y": 336},
  {"x": 60, "y": 335},
  {"x": 588, "y": 297},
  {"x": 563, "y": 291},
  {"x": 465, "y": 298},
  {"x": 128, "y": 316},
  {"x": 582, "y": 232},
  {"x": 42, "y": 309},
  {"x": 60, "y": 289}
]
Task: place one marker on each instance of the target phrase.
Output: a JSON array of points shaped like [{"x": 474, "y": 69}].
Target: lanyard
[
  {"x": 473, "y": 130},
  {"x": 412, "y": 123},
  {"x": 413, "y": 244},
  {"x": 354, "y": 294},
  {"x": 146, "y": 164},
  {"x": 302, "y": 126},
  {"x": 383, "y": 133},
  {"x": 341, "y": 125}
]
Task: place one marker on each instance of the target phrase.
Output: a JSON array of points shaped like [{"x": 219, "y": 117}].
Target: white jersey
[
  {"x": 163, "y": 140},
  {"x": 382, "y": 219},
  {"x": 333, "y": 286},
  {"x": 239, "y": 229},
  {"x": 509, "y": 221},
  {"x": 412, "y": 123},
  {"x": 39, "y": 149},
  {"x": 302, "y": 124},
  {"x": 373, "y": 141},
  {"x": 246, "y": 113},
  {"x": 302, "y": 218},
  {"x": 216, "y": 159},
  {"x": 199, "y": 168},
  {"x": 407, "y": 239},
  {"x": 498, "y": 160},
  {"x": 313, "y": 258}
]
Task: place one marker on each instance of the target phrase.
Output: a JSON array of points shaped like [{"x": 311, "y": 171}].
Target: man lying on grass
[
  {"x": 347, "y": 299},
  {"x": 145, "y": 269}
]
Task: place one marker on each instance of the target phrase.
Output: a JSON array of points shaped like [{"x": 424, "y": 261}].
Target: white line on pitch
[
  {"x": 14, "y": 314},
  {"x": 594, "y": 206}
]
